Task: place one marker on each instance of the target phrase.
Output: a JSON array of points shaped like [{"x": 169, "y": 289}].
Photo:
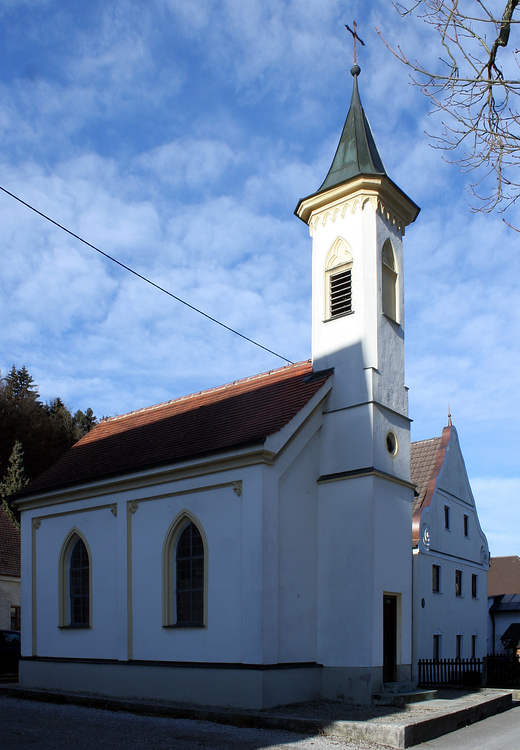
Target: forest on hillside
[{"x": 33, "y": 434}]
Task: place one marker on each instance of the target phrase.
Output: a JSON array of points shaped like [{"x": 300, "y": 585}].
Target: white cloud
[
  {"x": 178, "y": 137},
  {"x": 498, "y": 505},
  {"x": 191, "y": 162}
]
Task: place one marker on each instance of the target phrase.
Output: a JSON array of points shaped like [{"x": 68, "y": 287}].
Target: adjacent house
[
  {"x": 9, "y": 574},
  {"x": 504, "y": 605},
  {"x": 450, "y": 555}
]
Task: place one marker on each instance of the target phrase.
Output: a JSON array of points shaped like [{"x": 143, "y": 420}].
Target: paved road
[
  {"x": 500, "y": 732},
  {"x": 31, "y": 725}
]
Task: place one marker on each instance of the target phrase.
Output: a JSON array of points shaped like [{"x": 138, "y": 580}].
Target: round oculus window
[{"x": 391, "y": 443}]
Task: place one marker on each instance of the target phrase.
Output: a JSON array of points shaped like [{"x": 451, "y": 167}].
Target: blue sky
[{"x": 178, "y": 137}]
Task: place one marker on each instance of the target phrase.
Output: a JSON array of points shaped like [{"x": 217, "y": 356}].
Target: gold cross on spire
[{"x": 356, "y": 39}]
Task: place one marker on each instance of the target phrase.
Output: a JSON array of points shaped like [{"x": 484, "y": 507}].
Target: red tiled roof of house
[
  {"x": 423, "y": 455},
  {"x": 223, "y": 418},
  {"x": 9, "y": 546},
  {"x": 504, "y": 575},
  {"x": 427, "y": 457}
]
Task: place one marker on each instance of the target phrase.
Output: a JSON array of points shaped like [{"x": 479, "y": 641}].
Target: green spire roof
[{"x": 357, "y": 152}]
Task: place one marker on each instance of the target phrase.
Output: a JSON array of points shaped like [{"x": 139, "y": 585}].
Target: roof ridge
[
  {"x": 214, "y": 389},
  {"x": 427, "y": 440}
]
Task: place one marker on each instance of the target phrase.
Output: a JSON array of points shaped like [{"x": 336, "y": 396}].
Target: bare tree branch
[{"x": 477, "y": 95}]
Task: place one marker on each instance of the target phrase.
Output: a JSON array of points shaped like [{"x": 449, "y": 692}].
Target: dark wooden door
[{"x": 389, "y": 638}]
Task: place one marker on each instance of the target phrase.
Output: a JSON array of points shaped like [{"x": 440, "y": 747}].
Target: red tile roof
[
  {"x": 504, "y": 575},
  {"x": 223, "y": 418},
  {"x": 427, "y": 457},
  {"x": 9, "y": 547},
  {"x": 423, "y": 455}
]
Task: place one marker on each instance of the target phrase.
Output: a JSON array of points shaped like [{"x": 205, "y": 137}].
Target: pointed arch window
[
  {"x": 389, "y": 281},
  {"x": 79, "y": 585},
  {"x": 338, "y": 280},
  {"x": 189, "y": 563},
  {"x": 75, "y": 583},
  {"x": 185, "y": 574}
]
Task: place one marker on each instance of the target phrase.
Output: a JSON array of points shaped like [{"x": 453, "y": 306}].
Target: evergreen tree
[
  {"x": 46, "y": 431},
  {"x": 20, "y": 385},
  {"x": 14, "y": 480},
  {"x": 84, "y": 421}
]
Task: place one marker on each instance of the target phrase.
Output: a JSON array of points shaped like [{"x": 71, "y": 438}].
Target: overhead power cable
[{"x": 148, "y": 281}]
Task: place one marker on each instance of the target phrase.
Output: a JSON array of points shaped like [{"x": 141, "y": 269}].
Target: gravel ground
[{"x": 32, "y": 725}]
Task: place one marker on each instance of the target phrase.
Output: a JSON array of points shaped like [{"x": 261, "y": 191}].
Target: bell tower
[{"x": 357, "y": 220}]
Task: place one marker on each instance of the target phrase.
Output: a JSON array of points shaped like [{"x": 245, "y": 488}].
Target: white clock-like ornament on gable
[{"x": 426, "y": 536}]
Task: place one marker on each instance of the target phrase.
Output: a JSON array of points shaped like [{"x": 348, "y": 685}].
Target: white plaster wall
[
  {"x": 340, "y": 343},
  {"x": 398, "y": 465},
  {"x": 445, "y": 613},
  {"x": 26, "y": 583},
  {"x": 388, "y": 386},
  {"x": 392, "y": 563},
  {"x": 365, "y": 347},
  {"x": 364, "y": 526},
  {"x": 347, "y": 438},
  {"x": 233, "y": 527},
  {"x": 345, "y": 573},
  {"x": 298, "y": 556},
  {"x": 98, "y": 527},
  {"x": 252, "y": 568},
  {"x": 219, "y": 512}
]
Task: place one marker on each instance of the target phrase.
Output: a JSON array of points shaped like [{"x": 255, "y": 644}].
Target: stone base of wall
[
  {"x": 237, "y": 686},
  {"x": 225, "y": 685}
]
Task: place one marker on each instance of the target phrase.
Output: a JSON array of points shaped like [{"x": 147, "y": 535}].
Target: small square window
[
  {"x": 447, "y": 517},
  {"x": 466, "y": 525},
  {"x": 436, "y": 578},
  {"x": 458, "y": 583},
  {"x": 474, "y": 586}
]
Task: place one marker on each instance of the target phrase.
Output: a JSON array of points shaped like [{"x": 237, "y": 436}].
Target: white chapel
[{"x": 248, "y": 545}]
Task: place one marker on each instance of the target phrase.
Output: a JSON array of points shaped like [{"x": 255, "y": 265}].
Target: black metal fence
[
  {"x": 466, "y": 672},
  {"x": 503, "y": 670}
]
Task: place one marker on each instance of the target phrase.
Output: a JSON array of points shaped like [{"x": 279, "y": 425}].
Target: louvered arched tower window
[{"x": 338, "y": 280}]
